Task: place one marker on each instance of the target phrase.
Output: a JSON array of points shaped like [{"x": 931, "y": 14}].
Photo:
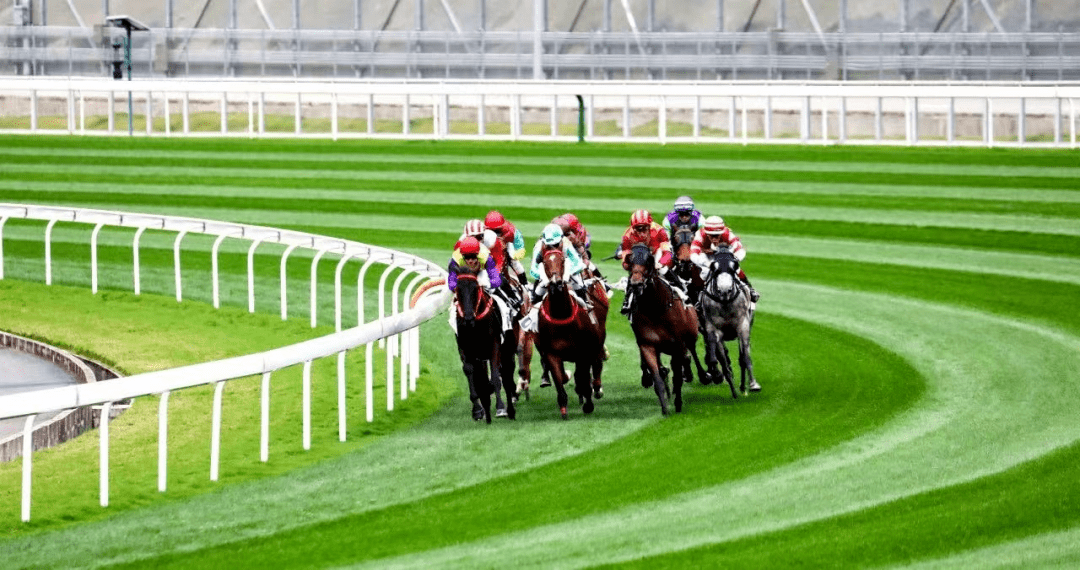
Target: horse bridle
[
  {"x": 729, "y": 295},
  {"x": 480, "y": 297},
  {"x": 543, "y": 305}
]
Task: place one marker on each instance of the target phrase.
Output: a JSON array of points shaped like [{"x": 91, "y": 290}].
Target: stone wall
[{"x": 68, "y": 424}]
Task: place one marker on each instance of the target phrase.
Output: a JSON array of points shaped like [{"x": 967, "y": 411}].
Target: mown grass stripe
[{"x": 425, "y": 159}]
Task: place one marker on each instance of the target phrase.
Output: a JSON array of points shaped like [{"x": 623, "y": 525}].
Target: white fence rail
[
  {"x": 911, "y": 113},
  {"x": 396, "y": 325}
]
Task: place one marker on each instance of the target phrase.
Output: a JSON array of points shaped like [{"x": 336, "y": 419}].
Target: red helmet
[
  {"x": 562, "y": 222},
  {"x": 714, "y": 225},
  {"x": 474, "y": 228},
  {"x": 641, "y": 217},
  {"x": 575, "y": 223},
  {"x": 469, "y": 246},
  {"x": 494, "y": 220}
]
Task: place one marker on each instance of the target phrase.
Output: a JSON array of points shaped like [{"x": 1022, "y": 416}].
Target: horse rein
[{"x": 479, "y": 301}]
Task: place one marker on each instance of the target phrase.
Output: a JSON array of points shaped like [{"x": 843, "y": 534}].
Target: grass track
[{"x": 919, "y": 374}]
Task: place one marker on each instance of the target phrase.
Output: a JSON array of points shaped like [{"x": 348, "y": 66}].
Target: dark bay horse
[
  {"x": 479, "y": 340},
  {"x": 662, "y": 324},
  {"x": 687, "y": 270},
  {"x": 729, "y": 315},
  {"x": 570, "y": 333}
]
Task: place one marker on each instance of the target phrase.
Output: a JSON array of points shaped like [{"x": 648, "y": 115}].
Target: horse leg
[
  {"x": 555, "y": 365},
  {"x": 468, "y": 368},
  {"x": 582, "y": 385},
  {"x": 725, "y": 363},
  {"x": 651, "y": 359},
  {"x": 597, "y": 385},
  {"x": 525, "y": 353},
  {"x": 680, "y": 364},
  {"x": 711, "y": 361},
  {"x": 746, "y": 365},
  {"x": 704, "y": 376}
]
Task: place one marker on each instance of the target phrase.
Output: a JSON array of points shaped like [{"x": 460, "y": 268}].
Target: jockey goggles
[
  {"x": 469, "y": 256},
  {"x": 641, "y": 228}
]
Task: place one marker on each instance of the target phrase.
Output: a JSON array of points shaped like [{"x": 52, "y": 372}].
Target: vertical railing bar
[
  {"x": 48, "y": 251},
  {"x": 94, "y": 257},
  {"x": 264, "y": 418},
  {"x": 215, "y": 432},
  {"x": 307, "y": 405},
  {"x": 341, "y": 395},
  {"x": 314, "y": 285},
  {"x": 369, "y": 382},
  {"x": 337, "y": 290},
  {"x": 27, "y": 467},
  {"x": 163, "y": 440},
  {"x": 3, "y": 220},
  {"x": 106, "y": 409},
  {"x": 176, "y": 264},
  {"x": 382, "y": 295},
  {"x": 135, "y": 255},
  {"x": 214, "y": 280},
  {"x": 251, "y": 274},
  {"x": 284, "y": 281}
]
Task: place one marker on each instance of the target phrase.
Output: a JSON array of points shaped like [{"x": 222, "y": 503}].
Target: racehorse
[
  {"x": 479, "y": 339},
  {"x": 729, "y": 315},
  {"x": 568, "y": 332},
  {"x": 662, "y": 324},
  {"x": 687, "y": 270}
]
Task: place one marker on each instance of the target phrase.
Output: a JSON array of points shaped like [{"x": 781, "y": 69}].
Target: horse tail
[{"x": 424, "y": 289}]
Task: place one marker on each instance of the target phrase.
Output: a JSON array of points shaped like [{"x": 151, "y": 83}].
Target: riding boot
[
  {"x": 754, "y": 295},
  {"x": 627, "y": 301},
  {"x": 522, "y": 278}
]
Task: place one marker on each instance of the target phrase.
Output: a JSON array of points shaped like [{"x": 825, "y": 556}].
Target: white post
[
  {"x": 804, "y": 120},
  {"x": 369, "y": 382},
  {"x": 841, "y": 119},
  {"x": 176, "y": 264},
  {"x": 731, "y": 120},
  {"x": 662, "y": 114},
  {"x": 135, "y": 255},
  {"x": 409, "y": 339},
  {"x": 989, "y": 122},
  {"x": 539, "y": 25},
  {"x": 394, "y": 348},
  {"x": 93, "y": 258},
  {"x": 396, "y": 342},
  {"x": 27, "y": 453},
  {"x": 333, "y": 116},
  {"x": 224, "y": 112},
  {"x": 1021, "y": 123},
  {"x": 163, "y": 440},
  {"x": 284, "y": 294},
  {"x": 168, "y": 118},
  {"x": 824, "y": 121},
  {"x": 48, "y": 251},
  {"x": 382, "y": 294},
  {"x": 214, "y": 269},
  {"x": 950, "y": 126},
  {"x": 341, "y": 395},
  {"x": 104, "y": 457},
  {"x": 183, "y": 113},
  {"x": 3, "y": 220},
  {"x": 745, "y": 126},
  {"x": 264, "y": 419},
  {"x": 768, "y": 118},
  {"x": 307, "y": 405},
  {"x": 215, "y": 432},
  {"x": 360, "y": 289},
  {"x": 314, "y": 280},
  {"x": 251, "y": 274},
  {"x": 337, "y": 291}
]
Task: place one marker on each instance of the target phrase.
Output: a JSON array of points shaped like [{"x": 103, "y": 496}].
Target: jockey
[
  {"x": 582, "y": 240},
  {"x": 497, "y": 249},
  {"x": 470, "y": 256},
  {"x": 512, "y": 239},
  {"x": 644, "y": 230},
  {"x": 683, "y": 215},
  {"x": 715, "y": 234},
  {"x": 552, "y": 238}
]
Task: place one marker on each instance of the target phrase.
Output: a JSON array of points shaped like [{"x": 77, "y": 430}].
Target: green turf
[{"x": 916, "y": 343}]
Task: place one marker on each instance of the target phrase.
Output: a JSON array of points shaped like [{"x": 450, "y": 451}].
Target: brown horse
[
  {"x": 479, "y": 340},
  {"x": 569, "y": 333},
  {"x": 687, "y": 270},
  {"x": 662, "y": 324}
]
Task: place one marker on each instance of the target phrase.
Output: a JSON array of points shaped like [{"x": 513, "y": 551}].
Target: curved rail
[{"x": 392, "y": 324}]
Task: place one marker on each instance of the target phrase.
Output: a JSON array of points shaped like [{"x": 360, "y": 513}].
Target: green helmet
[{"x": 552, "y": 234}]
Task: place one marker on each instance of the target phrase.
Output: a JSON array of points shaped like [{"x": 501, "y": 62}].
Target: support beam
[
  {"x": 993, "y": 16},
  {"x": 750, "y": 19}
]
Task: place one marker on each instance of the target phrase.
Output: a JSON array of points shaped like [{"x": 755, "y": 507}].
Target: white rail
[
  {"x": 912, "y": 113},
  {"x": 163, "y": 382}
]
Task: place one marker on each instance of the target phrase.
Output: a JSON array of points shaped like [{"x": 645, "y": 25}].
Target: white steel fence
[
  {"x": 396, "y": 326},
  {"x": 911, "y": 113}
]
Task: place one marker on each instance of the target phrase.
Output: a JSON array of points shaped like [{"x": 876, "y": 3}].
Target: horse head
[
  {"x": 554, "y": 261},
  {"x": 472, "y": 303},
  {"x": 641, "y": 267},
  {"x": 723, "y": 275},
  {"x": 681, "y": 241}
]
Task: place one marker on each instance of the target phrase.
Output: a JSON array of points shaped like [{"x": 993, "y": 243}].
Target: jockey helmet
[
  {"x": 562, "y": 222},
  {"x": 641, "y": 217},
  {"x": 474, "y": 228},
  {"x": 714, "y": 225},
  {"x": 494, "y": 220},
  {"x": 684, "y": 205},
  {"x": 575, "y": 223},
  {"x": 552, "y": 235},
  {"x": 469, "y": 246}
]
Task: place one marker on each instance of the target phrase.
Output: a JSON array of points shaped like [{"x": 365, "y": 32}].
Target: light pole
[{"x": 128, "y": 23}]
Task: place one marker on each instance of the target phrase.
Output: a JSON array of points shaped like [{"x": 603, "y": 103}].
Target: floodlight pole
[{"x": 127, "y": 62}]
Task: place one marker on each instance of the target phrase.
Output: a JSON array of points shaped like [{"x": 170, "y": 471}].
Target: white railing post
[
  {"x": 216, "y": 288},
  {"x": 407, "y": 353},
  {"x": 251, "y": 274},
  {"x": 215, "y": 432},
  {"x": 27, "y": 453},
  {"x": 382, "y": 292},
  {"x": 264, "y": 418},
  {"x": 135, "y": 258},
  {"x": 369, "y": 381},
  {"x": 94, "y": 257},
  {"x": 3, "y": 220},
  {"x": 106, "y": 409},
  {"x": 337, "y": 290},
  {"x": 314, "y": 285},
  {"x": 176, "y": 264},
  {"x": 163, "y": 441},
  {"x": 662, "y": 119},
  {"x": 48, "y": 251},
  {"x": 360, "y": 288},
  {"x": 397, "y": 340},
  {"x": 341, "y": 395},
  {"x": 307, "y": 405},
  {"x": 284, "y": 280}
]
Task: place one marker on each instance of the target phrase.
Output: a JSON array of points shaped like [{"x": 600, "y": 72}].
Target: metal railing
[
  {"x": 595, "y": 55},
  {"x": 911, "y": 113},
  {"x": 395, "y": 326}
]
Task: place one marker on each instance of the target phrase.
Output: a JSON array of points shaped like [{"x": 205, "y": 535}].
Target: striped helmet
[
  {"x": 474, "y": 228},
  {"x": 714, "y": 225},
  {"x": 552, "y": 235},
  {"x": 640, "y": 217},
  {"x": 684, "y": 204}
]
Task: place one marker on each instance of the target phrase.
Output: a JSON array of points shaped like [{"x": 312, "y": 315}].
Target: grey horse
[{"x": 728, "y": 314}]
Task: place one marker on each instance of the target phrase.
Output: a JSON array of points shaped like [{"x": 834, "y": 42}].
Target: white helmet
[
  {"x": 552, "y": 234},
  {"x": 684, "y": 204},
  {"x": 714, "y": 225}
]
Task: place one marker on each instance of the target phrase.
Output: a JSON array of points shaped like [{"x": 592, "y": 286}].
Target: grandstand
[{"x": 1015, "y": 40}]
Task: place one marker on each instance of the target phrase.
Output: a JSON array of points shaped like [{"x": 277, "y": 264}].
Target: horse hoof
[
  {"x": 598, "y": 393},
  {"x": 501, "y": 413},
  {"x": 477, "y": 412},
  {"x": 755, "y": 387},
  {"x": 545, "y": 383},
  {"x": 588, "y": 407},
  {"x": 580, "y": 399},
  {"x": 565, "y": 416},
  {"x": 646, "y": 380}
]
